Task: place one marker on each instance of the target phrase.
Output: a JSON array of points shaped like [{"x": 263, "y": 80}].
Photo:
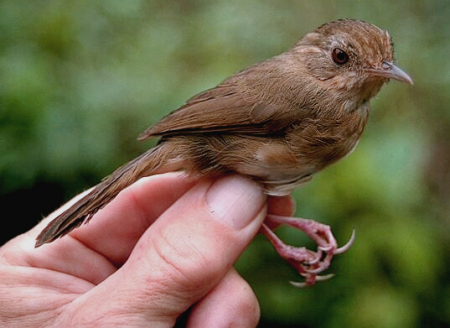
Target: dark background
[{"x": 79, "y": 80}]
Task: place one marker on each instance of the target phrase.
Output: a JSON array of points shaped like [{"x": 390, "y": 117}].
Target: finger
[
  {"x": 185, "y": 253},
  {"x": 94, "y": 251},
  {"x": 114, "y": 231},
  {"x": 231, "y": 303}
]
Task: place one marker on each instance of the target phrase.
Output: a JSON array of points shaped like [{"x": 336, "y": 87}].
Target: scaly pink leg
[{"x": 308, "y": 263}]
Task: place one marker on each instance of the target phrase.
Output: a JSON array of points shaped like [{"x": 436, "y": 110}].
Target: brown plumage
[{"x": 278, "y": 122}]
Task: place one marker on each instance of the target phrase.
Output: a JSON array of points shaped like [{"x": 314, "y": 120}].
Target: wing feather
[{"x": 250, "y": 102}]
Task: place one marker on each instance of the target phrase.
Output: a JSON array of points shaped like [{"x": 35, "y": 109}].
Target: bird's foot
[{"x": 309, "y": 264}]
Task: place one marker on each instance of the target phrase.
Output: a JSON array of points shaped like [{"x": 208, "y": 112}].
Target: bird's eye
[{"x": 339, "y": 56}]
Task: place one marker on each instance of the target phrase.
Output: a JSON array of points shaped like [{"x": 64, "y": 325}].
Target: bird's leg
[{"x": 308, "y": 263}]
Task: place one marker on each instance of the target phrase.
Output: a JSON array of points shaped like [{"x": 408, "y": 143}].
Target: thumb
[{"x": 185, "y": 253}]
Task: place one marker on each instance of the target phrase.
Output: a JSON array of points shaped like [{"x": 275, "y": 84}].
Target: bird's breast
[{"x": 322, "y": 141}]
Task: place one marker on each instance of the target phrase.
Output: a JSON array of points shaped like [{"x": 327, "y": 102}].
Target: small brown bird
[{"x": 278, "y": 122}]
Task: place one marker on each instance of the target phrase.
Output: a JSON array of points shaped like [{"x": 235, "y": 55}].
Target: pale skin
[{"x": 165, "y": 245}]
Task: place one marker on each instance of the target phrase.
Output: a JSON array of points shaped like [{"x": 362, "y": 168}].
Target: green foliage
[{"x": 80, "y": 80}]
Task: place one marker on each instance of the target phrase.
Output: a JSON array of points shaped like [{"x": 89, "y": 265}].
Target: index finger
[{"x": 114, "y": 231}]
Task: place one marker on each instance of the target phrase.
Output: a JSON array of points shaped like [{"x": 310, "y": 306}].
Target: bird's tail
[{"x": 157, "y": 160}]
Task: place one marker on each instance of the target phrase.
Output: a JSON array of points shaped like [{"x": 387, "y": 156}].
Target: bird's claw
[
  {"x": 316, "y": 278},
  {"x": 307, "y": 263},
  {"x": 347, "y": 246}
]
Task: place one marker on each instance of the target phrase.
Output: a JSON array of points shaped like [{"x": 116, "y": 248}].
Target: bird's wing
[{"x": 229, "y": 107}]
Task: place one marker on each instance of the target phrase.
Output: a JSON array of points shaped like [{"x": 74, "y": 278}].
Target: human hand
[{"x": 164, "y": 245}]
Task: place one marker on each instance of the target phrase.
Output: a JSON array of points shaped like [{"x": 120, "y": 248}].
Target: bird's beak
[{"x": 390, "y": 71}]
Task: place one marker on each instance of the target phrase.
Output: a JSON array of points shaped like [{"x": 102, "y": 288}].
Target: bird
[{"x": 277, "y": 122}]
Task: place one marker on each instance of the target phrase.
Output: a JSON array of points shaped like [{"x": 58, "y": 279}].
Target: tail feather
[{"x": 154, "y": 161}]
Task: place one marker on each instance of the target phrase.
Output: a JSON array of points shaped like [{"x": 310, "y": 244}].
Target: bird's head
[{"x": 350, "y": 55}]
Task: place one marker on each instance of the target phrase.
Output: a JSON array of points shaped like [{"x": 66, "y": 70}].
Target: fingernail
[{"x": 235, "y": 200}]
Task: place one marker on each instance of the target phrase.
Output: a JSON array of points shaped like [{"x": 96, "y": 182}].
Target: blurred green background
[{"x": 79, "y": 80}]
